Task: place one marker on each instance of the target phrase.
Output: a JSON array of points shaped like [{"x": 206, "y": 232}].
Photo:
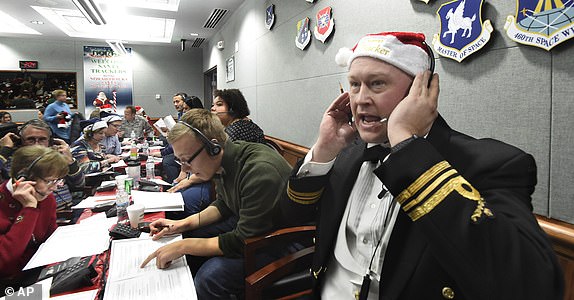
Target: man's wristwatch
[{"x": 402, "y": 144}]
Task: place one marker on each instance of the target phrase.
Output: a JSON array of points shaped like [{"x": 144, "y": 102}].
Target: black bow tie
[{"x": 375, "y": 153}]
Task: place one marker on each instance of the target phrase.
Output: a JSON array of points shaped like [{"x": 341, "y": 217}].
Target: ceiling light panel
[
  {"x": 129, "y": 28},
  {"x": 168, "y": 5},
  {"x": 11, "y": 25}
]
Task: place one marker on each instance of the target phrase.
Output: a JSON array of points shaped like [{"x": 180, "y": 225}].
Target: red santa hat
[
  {"x": 407, "y": 51},
  {"x": 63, "y": 122},
  {"x": 139, "y": 110}
]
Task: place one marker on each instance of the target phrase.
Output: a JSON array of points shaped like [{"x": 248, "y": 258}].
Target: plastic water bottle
[
  {"x": 133, "y": 135},
  {"x": 122, "y": 202},
  {"x": 145, "y": 148},
  {"x": 134, "y": 151},
  {"x": 149, "y": 168}
]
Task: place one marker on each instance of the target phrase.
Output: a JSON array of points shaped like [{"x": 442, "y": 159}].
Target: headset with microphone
[
  {"x": 212, "y": 148},
  {"x": 25, "y": 173}
]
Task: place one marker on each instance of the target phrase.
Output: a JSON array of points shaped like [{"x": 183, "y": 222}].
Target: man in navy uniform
[{"x": 411, "y": 209}]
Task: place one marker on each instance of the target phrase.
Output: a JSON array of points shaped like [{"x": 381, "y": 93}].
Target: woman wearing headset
[
  {"x": 88, "y": 151},
  {"x": 231, "y": 108},
  {"x": 28, "y": 208}
]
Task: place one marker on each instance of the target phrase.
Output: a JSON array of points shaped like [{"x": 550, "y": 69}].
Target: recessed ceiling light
[
  {"x": 194, "y": 34},
  {"x": 37, "y": 22}
]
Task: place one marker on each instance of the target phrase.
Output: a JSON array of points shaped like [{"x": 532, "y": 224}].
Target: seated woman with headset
[
  {"x": 28, "y": 208},
  {"x": 88, "y": 151}
]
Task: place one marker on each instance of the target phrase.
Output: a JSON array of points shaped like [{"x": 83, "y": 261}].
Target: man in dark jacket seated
[{"x": 411, "y": 209}]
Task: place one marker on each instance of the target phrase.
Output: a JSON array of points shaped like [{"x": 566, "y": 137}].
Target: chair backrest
[{"x": 275, "y": 146}]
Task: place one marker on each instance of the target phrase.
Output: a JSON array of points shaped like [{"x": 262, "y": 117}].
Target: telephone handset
[{"x": 76, "y": 276}]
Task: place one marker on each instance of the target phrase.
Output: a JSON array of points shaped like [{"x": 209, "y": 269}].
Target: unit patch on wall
[
  {"x": 303, "y": 34},
  {"x": 462, "y": 31},
  {"x": 270, "y": 16},
  {"x": 325, "y": 24},
  {"x": 541, "y": 23}
]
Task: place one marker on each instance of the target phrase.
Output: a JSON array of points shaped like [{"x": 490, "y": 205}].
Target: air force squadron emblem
[
  {"x": 461, "y": 29},
  {"x": 541, "y": 23},
  {"x": 303, "y": 34},
  {"x": 325, "y": 24},
  {"x": 270, "y": 16}
]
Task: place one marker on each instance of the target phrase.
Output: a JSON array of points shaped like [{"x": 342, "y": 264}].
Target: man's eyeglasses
[
  {"x": 188, "y": 162},
  {"x": 54, "y": 182},
  {"x": 35, "y": 140}
]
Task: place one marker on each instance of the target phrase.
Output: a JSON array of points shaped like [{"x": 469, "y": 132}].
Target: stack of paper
[
  {"x": 92, "y": 201},
  {"x": 154, "y": 202},
  {"x": 84, "y": 239},
  {"x": 126, "y": 280}
]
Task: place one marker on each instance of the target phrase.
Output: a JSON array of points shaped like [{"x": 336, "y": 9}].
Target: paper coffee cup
[{"x": 135, "y": 214}]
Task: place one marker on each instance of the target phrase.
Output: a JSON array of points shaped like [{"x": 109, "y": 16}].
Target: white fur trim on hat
[
  {"x": 96, "y": 126},
  {"x": 411, "y": 59},
  {"x": 111, "y": 118}
]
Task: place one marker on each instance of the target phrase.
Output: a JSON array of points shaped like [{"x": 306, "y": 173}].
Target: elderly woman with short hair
[{"x": 28, "y": 207}]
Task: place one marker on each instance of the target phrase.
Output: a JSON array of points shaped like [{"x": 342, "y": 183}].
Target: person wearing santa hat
[
  {"x": 408, "y": 208},
  {"x": 111, "y": 142},
  {"x": 87, "y": 150}
]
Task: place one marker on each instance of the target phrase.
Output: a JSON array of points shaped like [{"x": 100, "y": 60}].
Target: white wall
[
  {"x": 162, "y": 70},
  {"x": 516, "y": 93}
]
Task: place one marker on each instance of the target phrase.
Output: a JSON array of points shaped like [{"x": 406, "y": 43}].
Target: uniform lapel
[{"x": 333, "y": 203}]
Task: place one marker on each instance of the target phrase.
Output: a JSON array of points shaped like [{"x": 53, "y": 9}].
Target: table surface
[{"x": 104, "y": 257}]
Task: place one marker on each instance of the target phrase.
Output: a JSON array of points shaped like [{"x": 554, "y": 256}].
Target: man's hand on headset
[{"x": 63, "y": 148}]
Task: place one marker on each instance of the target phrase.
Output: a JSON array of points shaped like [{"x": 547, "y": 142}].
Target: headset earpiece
[
  {"x": 22, "y": 175},
  {"x": 25, "y": 173},
  {"x": 211, "y": 146},
  {"x": 431, "y": 61}
]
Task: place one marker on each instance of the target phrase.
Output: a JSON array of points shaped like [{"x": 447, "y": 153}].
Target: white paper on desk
[
  {"x": 168, "y": 284},
  {"x": 127, "y": 256},
  {"x": 159, "y": 181},
  {"x": 90, "y": 202},
  {"x": 119, "y": 164},
  {"x": 87, "y": 295},
  {"x": 82, "y": 239},
  {"x": 154, "y": 201},
  {"x": 156, "y": 147},
  {"x": 126, "y": 280}
]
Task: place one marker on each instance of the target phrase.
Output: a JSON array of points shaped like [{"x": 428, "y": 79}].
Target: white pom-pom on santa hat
[
  {"x": 404, "y": 50},
  {"x": 342, "y": 57}
]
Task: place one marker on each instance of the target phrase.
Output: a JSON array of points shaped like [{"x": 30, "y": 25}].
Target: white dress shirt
[{"x": 359, "y": 232}]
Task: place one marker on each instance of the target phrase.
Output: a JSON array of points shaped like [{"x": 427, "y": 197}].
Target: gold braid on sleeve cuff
[
  {"x": 433, "y": 186},
  {"x": 305, "y": 198}
]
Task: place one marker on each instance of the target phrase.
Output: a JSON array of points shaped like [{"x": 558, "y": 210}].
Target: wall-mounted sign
[
  {"x": 462, "y": 31},
  {"x": 230, "y": 69},
  {"x": 540, "y": 23},
  {"x": 270, "y": 16},
  {"x": 28, "y": 64},
  {"x": 325, "y": 24},
  {"x": 303, "y": 34},
  {"x": 108, "y": 79}
]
